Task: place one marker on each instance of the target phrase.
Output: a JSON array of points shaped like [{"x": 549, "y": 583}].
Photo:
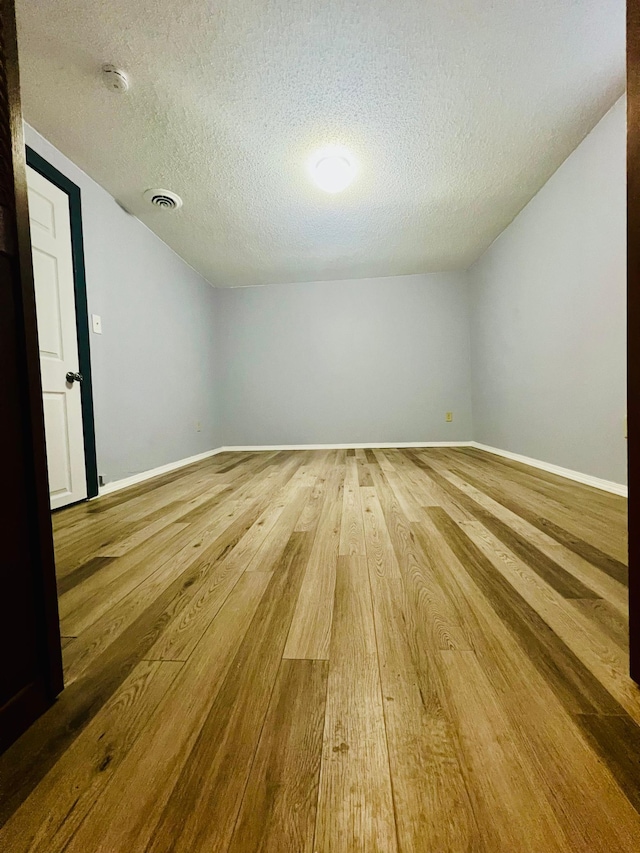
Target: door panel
[
  {"x": 58, "y": 456},
  {"x": 31, "y": 670},
  {"x": 45, "y": 271},
  {"x": 58, "y": 341}
]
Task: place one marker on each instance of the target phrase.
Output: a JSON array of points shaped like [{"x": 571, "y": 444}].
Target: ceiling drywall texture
[{"x": 457, "y": 110}]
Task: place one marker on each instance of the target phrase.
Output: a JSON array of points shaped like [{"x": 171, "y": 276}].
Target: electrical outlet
[
  {"x": 96, "y": 323},
  {"x": 448, "y": 417},
  {"x": 198, "y": 426}
]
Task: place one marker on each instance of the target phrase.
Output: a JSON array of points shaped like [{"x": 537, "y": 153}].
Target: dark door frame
[
  {"x": 633, "y": 326},
  {"x": 39, "y": 164}
]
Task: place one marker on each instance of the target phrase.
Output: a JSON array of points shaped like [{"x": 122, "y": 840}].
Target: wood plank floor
[{"x": 386, "y": 651}]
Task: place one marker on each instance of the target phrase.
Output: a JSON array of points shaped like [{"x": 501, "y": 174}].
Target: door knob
[{"x": 73, "y": 377}]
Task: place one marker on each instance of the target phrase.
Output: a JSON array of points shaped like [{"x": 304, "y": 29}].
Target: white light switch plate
[{"x": 96, "y": 323}]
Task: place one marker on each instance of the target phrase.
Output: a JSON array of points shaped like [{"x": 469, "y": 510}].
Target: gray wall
[
  {"x": 371, "y": 360},
  {"x": 548, "y": 317},
  {"x": 154, "y": 366}
]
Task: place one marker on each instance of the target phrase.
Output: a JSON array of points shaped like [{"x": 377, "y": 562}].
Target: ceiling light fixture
[{"x": 332, "y": 169}]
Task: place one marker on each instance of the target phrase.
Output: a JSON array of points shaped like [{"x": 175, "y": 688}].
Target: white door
[{"x": 56, "y": 310}]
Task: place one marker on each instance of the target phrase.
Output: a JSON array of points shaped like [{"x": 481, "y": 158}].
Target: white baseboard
[
  {"x": 381, "y": 444},
  {"x": 578, "y": 476},
  {"x": 116, "y": 485}
]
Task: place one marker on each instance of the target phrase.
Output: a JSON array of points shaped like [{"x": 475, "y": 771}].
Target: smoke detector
[
  {"x": 115, "y": 79},
  {"x": 164, "y": 199}
]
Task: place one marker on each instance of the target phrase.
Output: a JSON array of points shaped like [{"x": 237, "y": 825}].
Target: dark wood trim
[
  {"x": 633, "y": 325},
  {"x": 82, "y": 312},
  {"x": 37, "y": 556}
]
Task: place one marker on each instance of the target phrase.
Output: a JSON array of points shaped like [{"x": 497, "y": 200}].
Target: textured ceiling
[{"x": 457, "y": 111}]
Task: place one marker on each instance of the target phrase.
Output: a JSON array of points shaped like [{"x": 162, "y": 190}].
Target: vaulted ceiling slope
[{"x": 457, "y": 111}]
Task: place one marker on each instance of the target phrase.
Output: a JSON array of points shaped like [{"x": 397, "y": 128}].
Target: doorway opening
[{"x": 55, "y": 214}]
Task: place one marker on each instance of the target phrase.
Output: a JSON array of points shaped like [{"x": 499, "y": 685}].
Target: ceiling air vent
[{"x": 164, "y": 199}]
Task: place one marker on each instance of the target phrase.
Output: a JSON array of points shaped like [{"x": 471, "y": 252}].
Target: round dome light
[{"x": 332, "y": 170}]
